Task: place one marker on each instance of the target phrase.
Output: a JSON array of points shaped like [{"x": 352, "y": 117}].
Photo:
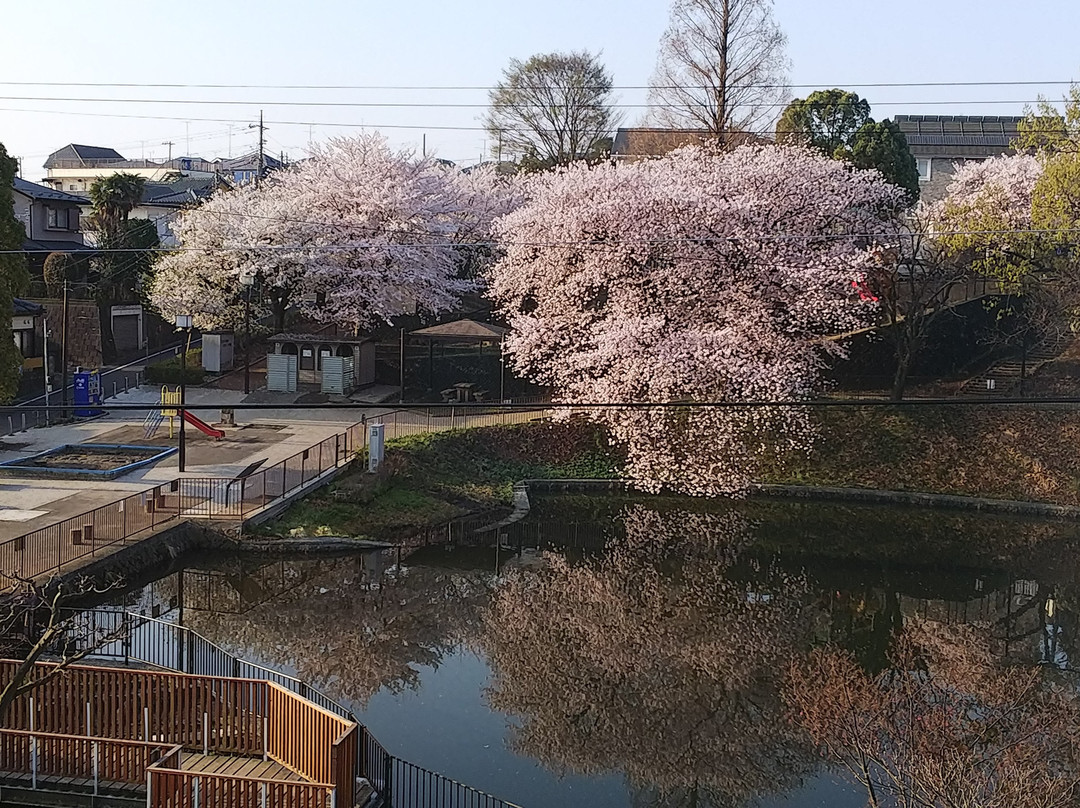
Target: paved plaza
[{"x": 265, "y": 437}]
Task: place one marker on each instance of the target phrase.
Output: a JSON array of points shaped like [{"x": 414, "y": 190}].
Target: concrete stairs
[{"x": 1003, "y": 379}]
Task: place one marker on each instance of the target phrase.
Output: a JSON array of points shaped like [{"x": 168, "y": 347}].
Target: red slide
[{"x": 202, "y": 426}]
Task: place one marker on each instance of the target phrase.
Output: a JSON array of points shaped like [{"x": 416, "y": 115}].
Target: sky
[{"x": 460, "y": 48}]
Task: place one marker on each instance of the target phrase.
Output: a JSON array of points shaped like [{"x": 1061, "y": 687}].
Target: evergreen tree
[
  {"x": 13, "y": 276},
  {"x": 838, "y": 123}
]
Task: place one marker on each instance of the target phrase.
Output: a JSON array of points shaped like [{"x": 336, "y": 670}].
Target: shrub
[
  {"x": 59, "y": 267},
  {"x": 168, "y": 372}
]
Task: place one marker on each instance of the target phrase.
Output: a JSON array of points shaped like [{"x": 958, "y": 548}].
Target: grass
[
  {"x": 430, "y": 479},
  {"x": 1015, "y": 453}
]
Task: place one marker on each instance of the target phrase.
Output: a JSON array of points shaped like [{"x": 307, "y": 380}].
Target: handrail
[
  {"x": 66, "y": 737},
  {"x": 245, "y": 777},
  {"x": 378, "y": 771}
]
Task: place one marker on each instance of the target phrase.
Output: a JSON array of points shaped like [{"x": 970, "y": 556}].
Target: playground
[
  {"x": 28, "y": 502},
  {"x": 170, "y": 409}
]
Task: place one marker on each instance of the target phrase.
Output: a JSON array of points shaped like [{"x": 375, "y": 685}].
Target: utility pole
[
  {"x": 262, "y": 147},
  {"x": 170, "y": 144},
  {"x": 45, "y": 360},
  {"x": 63, "y": 349}
]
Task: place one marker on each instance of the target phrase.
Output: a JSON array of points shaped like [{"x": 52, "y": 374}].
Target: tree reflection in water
[
  {"x": 654, "y": 661},
  {"x": 357, "y": 627},
  {"x": 948, "y": 724},
  {"x": 674, "y": 652}
]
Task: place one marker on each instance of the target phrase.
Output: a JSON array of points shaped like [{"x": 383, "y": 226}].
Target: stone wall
[{"x": 84, "y": 332}]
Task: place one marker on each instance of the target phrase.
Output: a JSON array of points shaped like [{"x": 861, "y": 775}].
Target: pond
[{"x": 617, "y": 651}]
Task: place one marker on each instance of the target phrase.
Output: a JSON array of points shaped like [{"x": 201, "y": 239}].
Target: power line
[
  {"x": 605, "y": 405},
  {"x": 735, "y": 240},
  {"x": 441, "y": 105},
  {"x": 474, "y": 88},
  {"x": 371, "y": 126}
]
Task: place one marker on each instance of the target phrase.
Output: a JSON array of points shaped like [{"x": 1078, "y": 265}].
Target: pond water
[{"x": 614, "y": 651}]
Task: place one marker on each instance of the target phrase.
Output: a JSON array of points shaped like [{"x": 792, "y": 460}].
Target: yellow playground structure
[{"x": 170, "y": 404}]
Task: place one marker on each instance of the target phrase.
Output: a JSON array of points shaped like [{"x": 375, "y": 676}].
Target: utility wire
[
  {"x": 379, "y": 126},
  {"x": 441, "y": 105},
  {"x": 451, "y": 87},
  {"x": 734, "y": 240},
  {"x": 602, "y": 405}
]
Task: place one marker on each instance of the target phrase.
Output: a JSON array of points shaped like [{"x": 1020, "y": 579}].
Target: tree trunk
[{"x": 903, "y": 365}]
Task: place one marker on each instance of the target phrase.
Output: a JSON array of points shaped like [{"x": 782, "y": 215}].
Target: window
[
  {"x": 73, "y": 188},
  {"x": 56, "y": 219},
  {"x": 925, "y": 166}
]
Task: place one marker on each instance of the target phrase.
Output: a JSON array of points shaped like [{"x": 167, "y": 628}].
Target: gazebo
[{"x": 460, "y": 331}]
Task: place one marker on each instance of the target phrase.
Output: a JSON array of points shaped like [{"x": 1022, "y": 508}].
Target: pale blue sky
[{"x": 425, "y": 42}]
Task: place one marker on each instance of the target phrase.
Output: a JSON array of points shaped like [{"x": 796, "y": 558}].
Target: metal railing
[
  {"x": 57, "y": 547},
  {"x": 159, "y": 643}
]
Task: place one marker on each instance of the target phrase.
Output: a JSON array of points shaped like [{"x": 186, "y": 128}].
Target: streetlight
[
  {"x": 247, "y": 280},
  {"x": 183, "y": 323}
]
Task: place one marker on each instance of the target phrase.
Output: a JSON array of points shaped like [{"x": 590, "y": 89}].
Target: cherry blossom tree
[
  {"x": 698, "y": 277},
  {"x": 357, "y": 234},
  {"x": 985, "y": 204}
]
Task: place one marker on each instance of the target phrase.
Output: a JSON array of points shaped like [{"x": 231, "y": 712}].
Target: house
[
  {"x": 162, "y": 201},
  {"x": 75, "y": 167},
  {"x": 940, "y": 142},
  {"x": 51, "y": 219},
  {"x": 641, "y": 142},
  {"x": 27, "y": 324},
  {"x": 242, "y": 170}
]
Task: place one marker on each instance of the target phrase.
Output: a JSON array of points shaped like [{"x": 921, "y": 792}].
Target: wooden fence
[
  {"x": 175, "y": 788},
  {"x": 154, "y": 711},
  {"x": 95, "y": 760}
]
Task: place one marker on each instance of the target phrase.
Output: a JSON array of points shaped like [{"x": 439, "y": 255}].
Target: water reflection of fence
[{"x": 172, "y": 646}]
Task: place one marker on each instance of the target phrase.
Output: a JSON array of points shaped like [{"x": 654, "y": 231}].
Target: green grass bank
[{"x": 1013, "y": 453}]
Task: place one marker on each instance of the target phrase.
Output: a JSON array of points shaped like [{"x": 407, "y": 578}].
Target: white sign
[
  {"x": 376, "y": 446},
  {"x": 22, "y": 323}
]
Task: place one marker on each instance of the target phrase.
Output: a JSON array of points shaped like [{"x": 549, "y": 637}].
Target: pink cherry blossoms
[
  {"x": 357, "y": 233},
  {"x": 698, "y": 277}
]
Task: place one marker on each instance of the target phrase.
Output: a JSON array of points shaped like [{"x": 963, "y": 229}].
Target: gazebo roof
[{"x": 462, "y": 329}]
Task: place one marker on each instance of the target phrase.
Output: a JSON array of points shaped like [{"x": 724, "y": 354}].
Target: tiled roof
[
  {"x": 462, "y": 329},
  {"x": 24, "y": 307},
  {"x": 43, "y": 246},
  {"x": 75, "y": 151},
  {"x": 959, "y": 135},
  {"x": 652, "y": 142},
  {"x": 249, "y": 162},
  {"x": 181, "y": 192},
  {"x": 35, "y": 191}
]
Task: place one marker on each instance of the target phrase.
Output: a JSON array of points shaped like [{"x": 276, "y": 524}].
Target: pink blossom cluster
[
  {"x": 698, "y": 277},
  {"x": 357, "y": 234}
]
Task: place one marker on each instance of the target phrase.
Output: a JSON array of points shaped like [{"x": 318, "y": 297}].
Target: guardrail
[
  {"x": 57, "y": 547},
  {"x": 162, "y": 644}
]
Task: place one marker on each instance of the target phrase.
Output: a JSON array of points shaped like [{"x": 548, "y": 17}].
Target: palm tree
[
  {"x": 118, "y": 271},
  {"x": 113, "y": 198}
]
